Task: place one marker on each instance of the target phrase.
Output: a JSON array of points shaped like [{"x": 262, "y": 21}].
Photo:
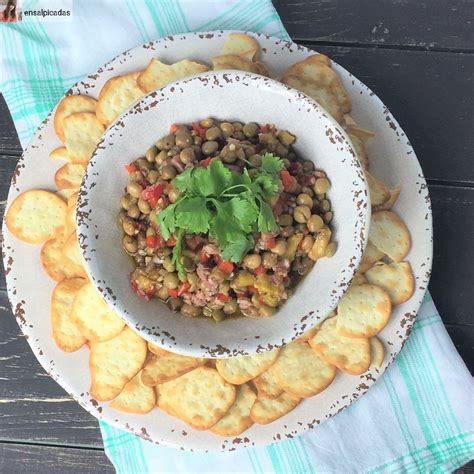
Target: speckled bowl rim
[
  {"x": 90, "y": 230},
  {"x": 291, "y": 425}
]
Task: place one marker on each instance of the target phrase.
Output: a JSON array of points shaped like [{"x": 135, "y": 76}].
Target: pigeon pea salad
[{"x": 223, "y": 219}]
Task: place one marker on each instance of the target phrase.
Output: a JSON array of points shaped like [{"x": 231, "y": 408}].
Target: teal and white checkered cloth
[{"x": 417, "y": 418}]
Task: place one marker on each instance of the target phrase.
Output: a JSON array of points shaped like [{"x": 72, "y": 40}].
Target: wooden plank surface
[
  {"x": 17, "y": 458},
  {"x": 437, "y": 24}
]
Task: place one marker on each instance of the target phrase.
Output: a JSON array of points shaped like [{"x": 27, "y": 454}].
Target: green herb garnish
[{"x": 228, "y": 206}]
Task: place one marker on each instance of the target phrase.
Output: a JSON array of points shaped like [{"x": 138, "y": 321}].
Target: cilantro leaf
[
  {"x": 244, "y": 209},
  {"x": 184, "y": 181},
  {"x": 166, "y": 220},
  {"x": 269, "y": 184},
  {"x": 219, "y": 177},
  {"x": 271, "y": 164},
  {"x": 193, "y": 214},
  {"x": 176, "y": 258},
  {"x": 235, "y": 251},
  {"x": 266, "y": 221}
]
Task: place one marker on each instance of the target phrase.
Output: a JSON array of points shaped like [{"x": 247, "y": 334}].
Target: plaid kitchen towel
[{"x": 417, "y": 418}]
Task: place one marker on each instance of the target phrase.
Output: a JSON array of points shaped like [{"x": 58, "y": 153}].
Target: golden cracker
[
  {"x": 363, "y": 311},
  {"x": 116, "y": 96},
  {"x": 240, "y": 44},
  {"x": 349, "y": 354},
  {"x": 69, "y": 176},
  {"x": 266, "y": 410},
  {"x": 110, "y": 373},
  {"x": 376, "y": 352},
  {"x": 395, "y": 278},
  {"x": 135, "y": 397},
  {"x": 66, "y": 333},
  {"x": 36, "y": 216},
  {"x": 237, "y": 419},
  {"x": 95, "y": 319},
  {"x": 390, "y": 235},
  {"x": 70, "y": 105},
  {"x": 301, "y": 372},
  {"x": 200, "y": 397},
  {"x": 158, "y": 74},
  {"x": 238, "y": 370},
  {"x": 82, "y": 133},
  {"x": 164, "y": 367}
]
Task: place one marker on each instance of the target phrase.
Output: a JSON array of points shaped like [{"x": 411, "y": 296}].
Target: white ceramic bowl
[{"x": 232, "y": 96}]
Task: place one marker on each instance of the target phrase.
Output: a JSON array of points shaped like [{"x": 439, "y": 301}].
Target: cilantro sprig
[{"x": 227, "y": 205}]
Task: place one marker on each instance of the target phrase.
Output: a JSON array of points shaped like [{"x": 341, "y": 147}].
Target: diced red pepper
[
  {"x": 286, "y": 180},
  {"x": 193, "y": 243},
  {"x": 264, "y": 129},
  {"x": 173, "y": 128},
  {"x": 226, "y": 267},
  {"x": 252, "y": 289},
  {"x": 270, "y": 242},
  {"x": 131, "y": 168},
  {"x": 261, "y": 301},
  {"x": 144, "y": 294},
  {"x": 154, "y": 241},
  {"x": 203, "y": 256},
  {"x": 152, "y": 193},
  {"x": 175, "y": 292},
  {"x": 171, "y": 242},
  {"x": 200, "y": 130},
  {"x": 205, "y": 163},
  {"x": 183, "y": 288},
  {"x": 223, "y": 297},
  {"x": 259, "y": 270}
]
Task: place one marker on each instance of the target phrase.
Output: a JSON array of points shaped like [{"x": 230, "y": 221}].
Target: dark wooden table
[{"x": 418, "y": 57}]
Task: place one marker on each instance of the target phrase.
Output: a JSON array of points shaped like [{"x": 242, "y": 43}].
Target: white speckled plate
[{"x": 392, "y": 159}]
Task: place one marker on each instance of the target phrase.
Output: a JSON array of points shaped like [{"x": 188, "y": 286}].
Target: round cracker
[
  {"x": 116, "y": 96},
  {"x": 390, "y": 235},
  {"x": 200, "y": 397},
  {"x": 265, "y": 411},
  {"x": 379, "y": 192},
  {"x": 237, "y": 419},
  {"x": 36, "y": 216},
  {"x": 59, "y": 153},
  {"x": 238, "y": 370},
  {"x": 371, "y": 255},
  {"x": 301, "y": 372},
  {"x": 376, "y": 352},
  {"x": 349, "y": 354},
  {"x": 243, "y": 45},
  {"x": 135, "y": 397},
  {"x": 82, "y": 132},
  {"x": 114, "y": 362},
  {"x": 93, "y": 316},
  {"x": 267, "y": 386},
  {"x": 363, "y": 311},
  {"x": 70, "y": 105},
  {"x": 56, "y": 264},
  {"x": 395, "y": 278},
  {"x": 69, "y": 176},
  {"x": 66, "y": 333},
  {"x": 164, "y": 367}
]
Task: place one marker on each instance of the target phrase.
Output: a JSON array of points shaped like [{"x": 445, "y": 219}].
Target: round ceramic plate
[{"x": 29, "y": 288}]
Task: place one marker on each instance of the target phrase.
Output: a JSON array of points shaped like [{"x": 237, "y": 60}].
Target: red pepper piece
[
  {"x": 173, "y": 128},
  {"x": 252, "y": 289},
  {"x": 152, "y": 193},
  {"x": 259, "y": 270},
  {"x": 131, "y": 168},
  {"x": 286, "y": 180},
  {"x": 203, "y": 256},
  {"x": 193, "y": 243},
  {"x": 205, "y": 163},
  {"x": 200, "y": 130},
  {"x": 226, "y": 267},
  {"x": 223, "y": 297}
]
